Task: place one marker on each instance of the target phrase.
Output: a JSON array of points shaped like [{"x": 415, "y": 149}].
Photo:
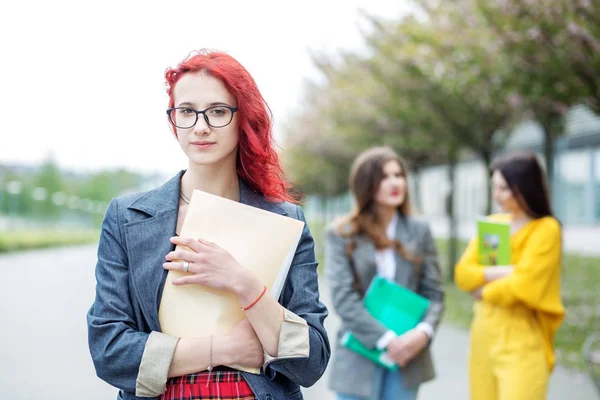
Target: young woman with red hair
[{"x": 223, "y": 126}]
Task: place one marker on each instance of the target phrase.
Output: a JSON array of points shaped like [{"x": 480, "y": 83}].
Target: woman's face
[
  {"x": 392, "y": 189},
  {"x": 502, "y": 194},
  {"x": 203, "y": 144}
]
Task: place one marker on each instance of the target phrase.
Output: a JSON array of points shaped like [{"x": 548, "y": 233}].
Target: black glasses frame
[{"x": 203, "y": 112}]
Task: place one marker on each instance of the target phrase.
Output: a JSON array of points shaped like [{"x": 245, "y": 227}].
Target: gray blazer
[
  {"x": 130, "y": 280},
  {"x": 351, "y": 373}
]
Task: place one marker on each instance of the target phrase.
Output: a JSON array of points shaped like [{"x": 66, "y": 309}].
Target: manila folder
[{"x": 262, "y": 241}]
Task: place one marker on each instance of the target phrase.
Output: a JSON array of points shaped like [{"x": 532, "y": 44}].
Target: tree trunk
[
  {"x": 486, "y": 156},
  {"x": 549, "y": 153},
  {"x": 452, "y": 228},
  {"x": 416, "y": 195}
]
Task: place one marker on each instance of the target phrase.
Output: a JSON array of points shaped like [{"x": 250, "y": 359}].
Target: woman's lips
[{"x": 203, "y": 145}]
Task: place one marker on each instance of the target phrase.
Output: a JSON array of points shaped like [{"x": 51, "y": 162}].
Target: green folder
[
  {"x": 396, "y": 307},
  {"x": 494, "y": 242}
]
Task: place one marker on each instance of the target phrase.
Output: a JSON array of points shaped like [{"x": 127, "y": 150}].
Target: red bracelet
[{"x": 255, "y": 301}]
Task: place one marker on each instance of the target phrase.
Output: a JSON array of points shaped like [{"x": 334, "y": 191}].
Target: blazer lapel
[
  {"x": 148, "y": 244},
  {"x": 364, "y": 261}
]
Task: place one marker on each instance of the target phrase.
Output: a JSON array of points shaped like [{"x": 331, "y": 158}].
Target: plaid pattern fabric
[{"x": 224, "y": 385}]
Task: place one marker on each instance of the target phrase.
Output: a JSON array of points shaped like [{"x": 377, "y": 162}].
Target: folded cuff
[
  {"x": 293, "y": 339},
  {"x": 154, "y": 368},
  {"x": 387, "y": 337},
  {"x": 425, "y": 327}
]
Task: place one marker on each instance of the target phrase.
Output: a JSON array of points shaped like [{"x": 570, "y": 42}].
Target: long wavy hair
[
  {"x": 258, "y": 163},
  {"x": 366, "y": 175}
]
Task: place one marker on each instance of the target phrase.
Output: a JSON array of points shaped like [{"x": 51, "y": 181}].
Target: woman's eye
[
  {"x": 218, "y": 111},
  {"x": 187, "y": 111}
]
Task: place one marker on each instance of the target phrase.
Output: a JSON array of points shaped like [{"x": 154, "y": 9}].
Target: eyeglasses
[{"x": 216, "y": 117}]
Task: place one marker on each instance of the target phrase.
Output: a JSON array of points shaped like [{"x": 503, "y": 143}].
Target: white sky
[{"x": 85, "y": 80}]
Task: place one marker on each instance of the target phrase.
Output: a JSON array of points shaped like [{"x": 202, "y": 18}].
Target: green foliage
[
  {"x": 49, "y": 194},
  {"x": 454, "y": 77},
  {"x": 41, "y": 238}
]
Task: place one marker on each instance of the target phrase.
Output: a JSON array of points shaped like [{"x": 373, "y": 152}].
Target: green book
[
  {"x": 396, "y": 307},
  {"x": 494, "y": 242}
]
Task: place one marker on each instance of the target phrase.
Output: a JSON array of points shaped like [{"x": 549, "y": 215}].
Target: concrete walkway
[
  {"x": 46, "y": 294},
  {"x": 450, "y": 353}
]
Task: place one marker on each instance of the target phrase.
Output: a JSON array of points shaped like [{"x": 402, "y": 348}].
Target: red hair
[{"x": 257, "y": 161}]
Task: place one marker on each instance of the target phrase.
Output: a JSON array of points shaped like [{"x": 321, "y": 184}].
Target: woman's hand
[
  {"x": 246, "y": 348},
  {"x": 405, "y": 347},
  {"x": 497, "y": 271},
  {"x": 477, "y": 293},
  {"x": 491, "y": 274},
  {"x": 209, "y": 265}
]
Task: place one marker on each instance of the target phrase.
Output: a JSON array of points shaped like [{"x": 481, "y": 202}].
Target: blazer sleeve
[
  {"x": 116, "y": 342},
  {"x": 346, "y": 301},
  {"x": 430, "y": 284},
  {"x": 300, "y": 295}
]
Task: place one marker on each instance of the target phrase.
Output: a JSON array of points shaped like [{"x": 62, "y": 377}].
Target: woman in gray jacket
[{"x": 381, "y": 237}]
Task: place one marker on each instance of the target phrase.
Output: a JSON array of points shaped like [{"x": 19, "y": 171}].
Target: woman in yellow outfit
[{"x": 518, "y": 307}]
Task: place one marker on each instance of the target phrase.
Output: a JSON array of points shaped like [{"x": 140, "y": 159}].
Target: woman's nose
[{"x": 201, "y": 127}]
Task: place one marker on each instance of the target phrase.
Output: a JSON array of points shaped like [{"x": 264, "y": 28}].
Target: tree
[
  {"x": 50, "y": 180},
  {"x": 444, "y": 61},
  {"x": 553, "y": 48}
]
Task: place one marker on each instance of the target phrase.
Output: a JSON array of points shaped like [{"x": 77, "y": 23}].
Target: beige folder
[{"x": 262, "y": 241}]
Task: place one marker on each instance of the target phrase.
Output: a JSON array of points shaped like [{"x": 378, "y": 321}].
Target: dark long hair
[
  {"x": 366, "y": 175},
  {"x": 527, "y": 180}
]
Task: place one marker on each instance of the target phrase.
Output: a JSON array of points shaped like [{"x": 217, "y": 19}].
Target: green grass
[
  {"x": 41, "y": 238},
  {"x": 580, "y": 294}
]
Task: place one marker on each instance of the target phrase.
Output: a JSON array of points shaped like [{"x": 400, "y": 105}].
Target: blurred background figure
[
  {"x": 519, "y": 307},
  {"x": 450, "y": 86},
  {"x": 381, "y": 238}
]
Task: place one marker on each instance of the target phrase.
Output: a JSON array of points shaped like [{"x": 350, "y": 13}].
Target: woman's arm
[
  {"x": 304, "y": 313},
  {"x": 195, "y": 354},
  {"x": 468, "y": 273},
  {"x": 430, "y": 284},
  {"x": 535, "y": 276},
  {"x": 116, "y": 344},
  {"x": 275, "y": 327},
  {"x": 405, "y": 347}
]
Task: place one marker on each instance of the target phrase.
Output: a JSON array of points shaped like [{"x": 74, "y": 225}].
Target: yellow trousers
[{"x": 507, "y": 359}]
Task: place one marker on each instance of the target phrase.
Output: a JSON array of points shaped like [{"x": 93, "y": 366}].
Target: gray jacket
[
  {"x": 130, "y": 279},
  {"x": 351, "y": 373}
]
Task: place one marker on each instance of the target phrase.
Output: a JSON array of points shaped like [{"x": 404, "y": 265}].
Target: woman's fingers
[
  {"x": 192, "y": 244},
  {"x": 207, "y": 243},
  {"x": 182, "y": 255},
  {"x": 183, "y": 266},
  {"x": 186, "y": 280}
]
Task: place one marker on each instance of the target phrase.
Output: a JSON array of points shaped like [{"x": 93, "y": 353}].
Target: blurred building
[{"x": 576, "y": 183}]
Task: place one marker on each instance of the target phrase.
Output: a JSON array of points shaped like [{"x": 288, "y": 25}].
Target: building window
[{"x": 574, "y": 176}]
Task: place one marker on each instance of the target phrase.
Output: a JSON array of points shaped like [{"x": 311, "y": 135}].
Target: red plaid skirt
[{"x": 223, "y": 385}]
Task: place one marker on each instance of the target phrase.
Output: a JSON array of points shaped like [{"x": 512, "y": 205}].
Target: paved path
[
  {"x": 45, "y": 295},
  {"x": 450, "y": 353},
  {"x": 44, "y": 354}
]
